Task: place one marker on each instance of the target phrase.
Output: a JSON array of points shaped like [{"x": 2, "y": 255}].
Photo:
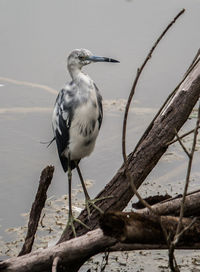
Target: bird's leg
[
  {"x": 88, "y": 200},
  {"x": 71, "y": 218}
]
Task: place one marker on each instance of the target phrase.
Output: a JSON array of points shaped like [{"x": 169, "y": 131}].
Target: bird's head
[{"x": 80, "y": 57}]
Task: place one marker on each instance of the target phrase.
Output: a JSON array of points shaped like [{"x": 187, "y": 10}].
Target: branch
[
  {"x": 68, "y": 253},
  {"x": 139, "y": 71},
  {"x": 38, "y": 205},
  {"x": 181, "y": 144},
  {"x": 182, "y": 136},
  {"x": 179, "y": 233},
  {"x": 172, "y": 206},
  {"x": 130, "y": 227}
]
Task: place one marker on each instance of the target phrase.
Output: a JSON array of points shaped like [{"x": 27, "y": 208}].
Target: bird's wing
[
  {"x": 62, "y": 117},
  {"x": 99, "y": 100}
]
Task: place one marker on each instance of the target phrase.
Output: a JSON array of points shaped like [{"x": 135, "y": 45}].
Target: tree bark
[
  {"x": 38, "y": 205},
  {"x": 69, "y": 252},
  {"x": 140, "y": 228},
  {"x": 151, "y": 147},
  {"x": 172, "y": 206}
]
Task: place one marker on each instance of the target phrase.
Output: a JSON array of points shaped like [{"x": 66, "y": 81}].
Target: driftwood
[
  {"x": 38, "y": 205},
  {"x": 172, "y": 206},
  {"x": 139, "y": 228},
  {"x": 145, "y": 234},
  {"x": 151, "y": 147}
]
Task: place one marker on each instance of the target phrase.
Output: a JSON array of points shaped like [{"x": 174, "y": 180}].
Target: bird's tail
[
  {"x": 49, "y": 142},
  {"x": 64, "y": 162}
]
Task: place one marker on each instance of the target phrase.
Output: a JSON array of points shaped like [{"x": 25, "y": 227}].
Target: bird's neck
[
  {"x": 75, "y": 72},
  {"x": 78, "y": 76}
]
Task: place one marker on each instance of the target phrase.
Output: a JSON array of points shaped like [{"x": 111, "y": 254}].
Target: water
[{"x": 36, "y": 37}]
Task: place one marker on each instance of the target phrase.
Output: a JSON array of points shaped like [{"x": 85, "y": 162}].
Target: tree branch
[{"x": 38, "y": 205}]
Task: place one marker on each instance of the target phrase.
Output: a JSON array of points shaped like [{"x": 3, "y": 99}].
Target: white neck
[{"x": 74, "y": 71}]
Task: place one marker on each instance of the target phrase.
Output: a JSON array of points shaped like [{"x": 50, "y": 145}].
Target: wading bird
[{"x": 76, "y": 120}]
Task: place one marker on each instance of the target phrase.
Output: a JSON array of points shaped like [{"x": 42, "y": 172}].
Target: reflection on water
[{"x": 36, "y": 38}]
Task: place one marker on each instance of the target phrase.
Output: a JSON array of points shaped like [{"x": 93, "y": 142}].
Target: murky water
[{"x": 36, "y": 37}]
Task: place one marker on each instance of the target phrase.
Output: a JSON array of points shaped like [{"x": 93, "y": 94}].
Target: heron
[{"x": 76, "y": 121}]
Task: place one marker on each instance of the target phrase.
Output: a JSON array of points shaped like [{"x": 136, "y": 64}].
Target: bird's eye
[{"x": 81, "y": 57}]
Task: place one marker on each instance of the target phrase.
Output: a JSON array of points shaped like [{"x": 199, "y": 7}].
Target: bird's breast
[{"x": 84, "y": 129}]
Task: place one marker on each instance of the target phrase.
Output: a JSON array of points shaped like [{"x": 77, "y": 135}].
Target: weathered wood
[
  {"x": 172, "y": 207},
  {"x": 148, "y": 152},
  {"x": 140, "y": 228},
  {"x": 38, "y": 205},
  {"x": 69, "y": 252}
]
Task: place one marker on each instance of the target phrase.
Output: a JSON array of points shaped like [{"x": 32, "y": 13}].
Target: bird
[{"x": 76, "y": 121}]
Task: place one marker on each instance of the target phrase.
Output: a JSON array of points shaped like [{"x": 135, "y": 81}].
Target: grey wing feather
[
  {"x": 62, "y": 117},
  {"x": 99, "y": 100}
]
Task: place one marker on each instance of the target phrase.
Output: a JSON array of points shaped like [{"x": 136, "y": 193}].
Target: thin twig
[
  {"x": 38, "y": 205},
  {"x": 104, "y": 262},
  {"x": 185, "y": 229},
  {"x": 55, "y": 263},
  {"x": 181, "y": 143},
  {"x": 182, "y": 136},
  {"x": 189, "y": 171},
  {"x": 144, "y": 202},
  {"x": 179, "y": 233},
  {"x": 139, "y": 71}
]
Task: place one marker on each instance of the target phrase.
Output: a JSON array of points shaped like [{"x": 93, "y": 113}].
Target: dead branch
[
  {"x": 139, "y": 228},
  {"x": 38, "y": 205},
  {"x": 68, "y": 252},
  {"x": 172, "y": 206},
  {"x": 139, "y": 71},
  {"x": 180, "y": 230}
]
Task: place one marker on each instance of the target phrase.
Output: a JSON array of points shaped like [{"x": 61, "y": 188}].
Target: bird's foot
[
  {"x": 91, "y": 202},
  {"x": 70, "y": 224}
]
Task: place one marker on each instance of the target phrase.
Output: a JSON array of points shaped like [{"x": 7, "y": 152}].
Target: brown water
[{"x": 36, "y": 37}]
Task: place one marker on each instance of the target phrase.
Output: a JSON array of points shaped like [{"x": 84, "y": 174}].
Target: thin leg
[
  {"x": 88, "y": 200},
  {"x": 71, "y": 218}
]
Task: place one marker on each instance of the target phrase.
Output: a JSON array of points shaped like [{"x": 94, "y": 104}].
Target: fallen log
[
  {"x": 172, "y": 206},
  {"x": 132, "y": 227},
  {"x": 68, "y": 252},
  {"x": 149, "y": 150}
]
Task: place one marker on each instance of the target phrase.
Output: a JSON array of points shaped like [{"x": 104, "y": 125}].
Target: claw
[
  {"x": 71, "y": 221},
  {"x": 91, "y": 202}
]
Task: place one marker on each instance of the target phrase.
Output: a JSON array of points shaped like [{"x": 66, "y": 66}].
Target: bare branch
[
  {"x": 139, "y": 71},
  {"x": 38, "y": 205},
  {"x": 182, "y": 136},
  {"x": 172, "y": 263},
  {"x": 189, "y": 171},
  {"x": 181, "y": 143},
  {"x": 55, "y": 264}
]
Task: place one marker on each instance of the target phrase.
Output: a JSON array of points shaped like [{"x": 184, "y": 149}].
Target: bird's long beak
[{"x": 101, "y": 59}]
